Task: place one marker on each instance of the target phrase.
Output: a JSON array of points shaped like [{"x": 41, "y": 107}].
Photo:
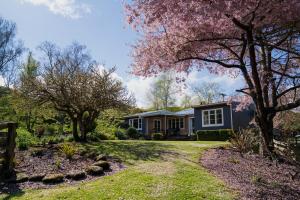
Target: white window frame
[
  {"x": 177, "y": 118},
  {"x": 140, "y": 123},
  {"x": 159, "y": 124},
  {"x": 209, "y": 124}
]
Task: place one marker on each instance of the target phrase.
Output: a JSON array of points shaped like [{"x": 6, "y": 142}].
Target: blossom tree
[{"x": 256, "y": 39}]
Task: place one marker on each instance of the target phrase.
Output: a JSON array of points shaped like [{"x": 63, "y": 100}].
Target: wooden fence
[
  {"x": 293, "y": 148},
  {"x": 7, "y": 146}
]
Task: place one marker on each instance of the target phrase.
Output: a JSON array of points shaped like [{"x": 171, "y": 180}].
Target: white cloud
[
  {"x": 140, "y": 87},
  {"x": 66, "y": 8}
]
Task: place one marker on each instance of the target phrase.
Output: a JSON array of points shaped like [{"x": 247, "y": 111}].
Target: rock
[
  {"x": 104, "y": 164},
  {"x": 101, "y": 157},
  {"x": 36, "y": 177},
  {"x": 95, "y": 170},
  {"x": 76, "y": 175},
  {"x": 92, "y": 155},
  {"x": 53, "y": 178},
  {"x": 18, "y": 178}
]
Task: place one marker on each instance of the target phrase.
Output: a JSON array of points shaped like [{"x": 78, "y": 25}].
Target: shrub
[
  {"x": 214, "y": 135},
  {"x": 132, "y": 133},
  {"x": 245, "y": 140},
  {"x": 97, "y": 136},
  {"x": 157, "y": 136},
  {"x": 68, "y": 149},
  {"x": 25, "y": 139},
  {"x": 121, "y": 135}
]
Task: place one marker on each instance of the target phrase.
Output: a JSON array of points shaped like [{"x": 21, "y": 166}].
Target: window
[
  {"x": 213, "y": 117},
  {"x": 157, "y": 125},
  {"x": 176, "y": 123},
  {"x": 136, "y": 123}
]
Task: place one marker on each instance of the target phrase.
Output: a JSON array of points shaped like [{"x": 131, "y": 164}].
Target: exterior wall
[
  {"x": 226, "y": 118},
  {"x": 241, "y": 119}
]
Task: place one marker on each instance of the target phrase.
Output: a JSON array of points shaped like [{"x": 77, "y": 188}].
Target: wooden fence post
[{"x": 10, "y": 146}]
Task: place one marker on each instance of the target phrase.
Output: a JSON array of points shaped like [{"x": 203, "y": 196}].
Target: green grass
[{"x": 155, "y": 170}]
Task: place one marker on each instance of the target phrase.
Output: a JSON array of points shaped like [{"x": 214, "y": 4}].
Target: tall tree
[
  {"x": 10, "y": 49},
  {"x": 25, "y": 107},
  {"x": 186, "y": 101},
  {"x": 207, "y": 92},
  {"x": 72, "y": 83},
  {"x": 162, "y": 92},
  {"x": 258, "y": 39}
]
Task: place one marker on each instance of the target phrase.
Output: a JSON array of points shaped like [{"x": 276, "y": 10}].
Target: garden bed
[
  {"x": 253, "y": 176},
  {"x": 39, "y": 162}
]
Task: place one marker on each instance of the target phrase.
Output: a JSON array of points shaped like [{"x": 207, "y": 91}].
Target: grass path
[{"x": 155, "y": 170}]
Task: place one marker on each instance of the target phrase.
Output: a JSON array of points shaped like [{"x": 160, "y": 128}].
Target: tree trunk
[
  {"x": 265, "y": 125},
  {"x": 83, "y": 129},
  {"x": 74, "y": 130}
]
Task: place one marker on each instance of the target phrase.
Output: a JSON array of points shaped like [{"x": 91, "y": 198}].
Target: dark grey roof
[
  {"x": 224, "y": 103},
  {"x": 189, "y": 111},
  {"x": 163, "y": 113}
]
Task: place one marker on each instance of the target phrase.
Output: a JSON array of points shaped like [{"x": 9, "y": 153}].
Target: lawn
[{"x": 155, "y": 170}]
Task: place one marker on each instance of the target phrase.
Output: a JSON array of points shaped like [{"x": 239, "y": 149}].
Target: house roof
[
  {"x": 223, "y": 103},
  {"x": 189, "y": 111},
  {"x": 163, "y": 112}
]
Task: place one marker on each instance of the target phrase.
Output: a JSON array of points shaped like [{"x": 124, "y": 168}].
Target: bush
[
  {"x": 25, "y": 139},
  {"x": 157, "y": 136},
  {"x": 245, "y": 140},
  {"x": 97, "y": 136},
  {"x": 214, "y": 135},
  {"x": 132, "y": 133},
  {"x": 68, "y": 149},
  {"x": 121, "y": 135}
]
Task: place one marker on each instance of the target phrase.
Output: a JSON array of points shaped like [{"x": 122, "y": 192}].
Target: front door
[
  {"x": 191, "y": 125},
  {"x": 157, "y": 125}
]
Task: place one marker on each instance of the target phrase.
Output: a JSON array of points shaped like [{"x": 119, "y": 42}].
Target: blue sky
[{"x": 98, "y": 24}]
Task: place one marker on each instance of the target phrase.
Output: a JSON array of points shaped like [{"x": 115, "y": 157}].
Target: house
[{"x": 222, "y": 115}]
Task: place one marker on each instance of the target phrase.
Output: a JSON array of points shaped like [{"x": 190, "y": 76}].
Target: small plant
[
  {"x": 132, "y": 133},
  {"x": 244, "y": 140},
  {"x": 121, "y": 135},
  {"x": 233, "y": 160},
  {"x": 157, "y": 136},
  {"x": 257, "y": 179},
  {"x": 25, "y": 139},
  {"x": 68, "y": 150},
  {"x": 58, "y": 164}
]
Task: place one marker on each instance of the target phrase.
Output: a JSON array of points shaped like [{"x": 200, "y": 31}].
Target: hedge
[{"x": 214, "y": 135}]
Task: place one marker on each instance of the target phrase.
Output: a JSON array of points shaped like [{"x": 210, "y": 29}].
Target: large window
[
  {"x": 213, "y": 117},
  {"x": 176, "y": 123},
  {"x": 136, "y": 123},
  {"x": 157, "y": 125}
]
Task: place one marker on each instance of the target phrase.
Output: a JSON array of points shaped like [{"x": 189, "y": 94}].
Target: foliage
[
  {"x": 214, "y": 135},
  {"x": 255, "y": 39},
  {"x": 68, "y": 150},
  {"x": 83, "y": 90},
  {"x": 132, "y": 133},
  {"x": 25, "y": 139},
  {"x": 121, "y": 135},
  {"x": 161, "y": 94},
  {"x": 10, "y": 48},
  {"x": 157, "y": 136},
  {"x": 208, "y": 92},
  {"x": 245, "y": 140}
]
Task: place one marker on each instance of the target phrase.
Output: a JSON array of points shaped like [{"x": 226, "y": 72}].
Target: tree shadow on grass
[
  {"x": 10, "y": 190},
  {"x": 130, "y": 150}
]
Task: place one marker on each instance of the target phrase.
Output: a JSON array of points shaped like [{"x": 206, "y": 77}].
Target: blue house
[{"x": 222, "y": 115}]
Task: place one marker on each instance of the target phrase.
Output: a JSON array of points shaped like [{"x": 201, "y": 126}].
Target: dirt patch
[
  {"x": 50, "y": 160},
  {"x": 255, "y": 177}
]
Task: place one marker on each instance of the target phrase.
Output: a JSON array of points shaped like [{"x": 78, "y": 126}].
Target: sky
[{"x": 101, "y": 26}]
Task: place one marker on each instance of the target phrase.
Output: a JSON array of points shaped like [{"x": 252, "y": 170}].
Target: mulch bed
[
  {"x": 253, "y": 176},
  {"x": 49, "y": 160}
]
